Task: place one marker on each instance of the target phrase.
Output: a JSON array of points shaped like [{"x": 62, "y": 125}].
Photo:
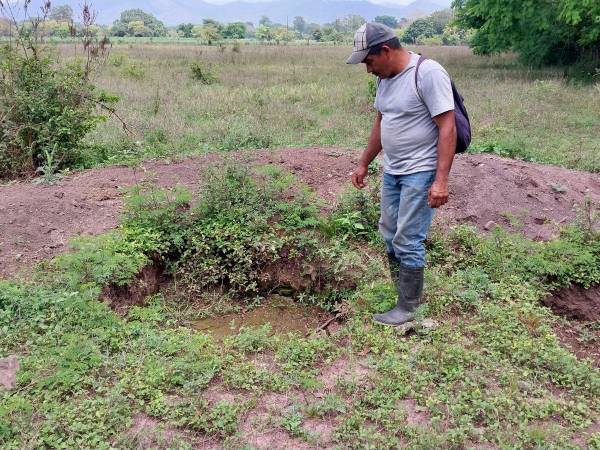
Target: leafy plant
[
  {"x": 46, "y": 108},
  {"x": 357, "y": 214},
  {"x": 202, "y": 74}
]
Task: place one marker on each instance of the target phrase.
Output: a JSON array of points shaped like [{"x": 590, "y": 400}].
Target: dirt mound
[
  {"x": 36, "y": 221},
  {"x": 146, "y": 282},
  {"x": 576, "y": 302}
]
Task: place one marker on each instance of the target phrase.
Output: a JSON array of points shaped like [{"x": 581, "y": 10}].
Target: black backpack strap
[{"x": 421, "y": 59}]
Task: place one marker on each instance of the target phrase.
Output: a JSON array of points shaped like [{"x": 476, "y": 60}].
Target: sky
[{"x": 391, "y": 2}]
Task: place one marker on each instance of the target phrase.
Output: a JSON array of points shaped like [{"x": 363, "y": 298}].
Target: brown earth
[
  {"x": 582, "y": 334},
  {"x": 576, "y": 302},
  {"x": 9, "y": 367},
  {"x": 36, "y": 221}
]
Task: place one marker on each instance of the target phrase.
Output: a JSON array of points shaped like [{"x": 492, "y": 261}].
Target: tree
[
  {"x": 390, "y": 21},
  {"x": 317, "y": 35},
  {"x": 264, "y": 20},
  {"x": 330, "y": 34},
  {"x": 250, "y": 30},
  {"x": 5, "y": 27},
  {"x": 185, "y": 30},
  {"x": 540, "y": 31},
  {"x": 213, "y": 23},
  {"x": 419, "y": 29},
  {"x": 210, "y": 33},
  {"x": 441, "y": 19},
  {"x": 282, "y": 34},
  {"x": 264, "y": 33},
  {"x": 349, "y": 24},
  {"x": 62, "y": 13},
  {"x": 299, "y": 24},
  {"x": 235, "y": 30},
  {"x": 138, "y": 29},
  {"x": 153, "y": 26}
]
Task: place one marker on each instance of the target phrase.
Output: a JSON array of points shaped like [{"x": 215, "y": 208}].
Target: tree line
[{"x": 138, "y": 23}]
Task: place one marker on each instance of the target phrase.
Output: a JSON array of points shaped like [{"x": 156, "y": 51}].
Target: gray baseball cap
[{"x": 367, "y": 36}]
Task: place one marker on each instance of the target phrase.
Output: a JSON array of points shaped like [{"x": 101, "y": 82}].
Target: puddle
[{"x": 282, "y": 313}]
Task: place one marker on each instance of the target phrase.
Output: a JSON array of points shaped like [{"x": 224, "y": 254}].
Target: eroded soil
[
  {"x": 37, "y": 221},
  {"x": 576, "y": 303}
]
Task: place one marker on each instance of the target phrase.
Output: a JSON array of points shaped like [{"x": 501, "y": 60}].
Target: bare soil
[
  {"x": 576, "y": 302},
  {"x": 37, "y": 221},
  {"x": 580, "y": 338},
  {"x": 9, "y": 367}
]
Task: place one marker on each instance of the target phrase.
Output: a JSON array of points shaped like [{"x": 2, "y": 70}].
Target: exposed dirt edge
[
  {"x": 146, "y": 283},
  {"x": 575, "y": 302}
]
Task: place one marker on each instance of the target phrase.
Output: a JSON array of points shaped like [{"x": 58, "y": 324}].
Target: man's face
[{"x": 379, "y": 65}]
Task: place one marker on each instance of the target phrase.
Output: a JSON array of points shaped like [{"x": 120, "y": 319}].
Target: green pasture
[{"x": 269, "y": 96}]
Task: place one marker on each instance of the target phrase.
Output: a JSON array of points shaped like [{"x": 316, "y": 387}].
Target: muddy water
[{"x": 282, "y": 313}]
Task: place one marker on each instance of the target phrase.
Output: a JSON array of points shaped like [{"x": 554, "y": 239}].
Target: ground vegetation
[
  {"x": 300, "y": 96},
  {"x": 493, "y": 373},
  {"x": 47, "y": 108}
]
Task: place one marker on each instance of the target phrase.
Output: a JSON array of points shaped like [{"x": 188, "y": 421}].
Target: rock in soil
[{"x": 8, "y": 372}]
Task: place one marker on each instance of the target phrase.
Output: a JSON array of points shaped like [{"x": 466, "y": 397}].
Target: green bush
[
  {"x": 228, "y": 253},
  {"x": 46, "y": 111},
  {"x": 357, "y": 214},
  {"x": 202, "y": 74},
  {"x": 134, "y": 70},
  {"x": 158, "y": 219}
]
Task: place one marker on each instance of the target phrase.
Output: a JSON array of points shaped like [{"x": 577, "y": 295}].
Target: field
[
  {"x": 210, "y": 282},
  {"x": 297, "y": 96}
]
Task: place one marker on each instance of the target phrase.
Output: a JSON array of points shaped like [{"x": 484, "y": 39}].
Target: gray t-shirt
[{"x": 408, "y": 133}]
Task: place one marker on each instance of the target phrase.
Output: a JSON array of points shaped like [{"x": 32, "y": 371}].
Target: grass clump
[
  {"x": 202, "y": 74},
  {"x": 247, "y": 235},
  {"x": 240, "y": 232}
]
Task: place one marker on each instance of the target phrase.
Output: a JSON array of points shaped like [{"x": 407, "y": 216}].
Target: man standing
[{"x": 415, "y": 128}]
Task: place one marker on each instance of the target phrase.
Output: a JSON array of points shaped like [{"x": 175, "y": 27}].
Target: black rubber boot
[{"x": 409, "y": 284}]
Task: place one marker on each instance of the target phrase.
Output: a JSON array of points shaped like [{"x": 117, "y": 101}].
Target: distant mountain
[{"x": 173, "y": 12}]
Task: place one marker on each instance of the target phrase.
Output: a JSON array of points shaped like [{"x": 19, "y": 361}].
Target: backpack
[{"x": 463, "y": 125}]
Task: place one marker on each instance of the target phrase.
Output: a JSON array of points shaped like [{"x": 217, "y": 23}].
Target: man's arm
[
  {"x": 372, "y": 150},
  {"x": 438, "y": 193}
]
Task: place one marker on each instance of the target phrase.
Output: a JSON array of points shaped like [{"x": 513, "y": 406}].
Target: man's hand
[
  {"x": 358, "y": 177},
  {"x": 438, "y": 194}
]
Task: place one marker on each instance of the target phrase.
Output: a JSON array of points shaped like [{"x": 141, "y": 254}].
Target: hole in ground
[
  {"x": 580, "y": 330},
  {"x": 576, "y": 302},
  {"x": 282, "y": 312}
]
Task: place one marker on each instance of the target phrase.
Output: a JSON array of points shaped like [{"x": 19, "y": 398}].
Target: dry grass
[{"x": 285, "y": 96}]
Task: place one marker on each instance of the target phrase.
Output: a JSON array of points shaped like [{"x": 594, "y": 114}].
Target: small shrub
[
  {"x": 134, "y": 70},
  {"x": 357, "y": 214},
  {"x": 160, "y": 213},
  {"x": 46, "y": 108},
  {"x": 117, "y": 60},
  {"x": 99, "y": 260},
  {"x": 228, "y": 254},
  {"x": 202, "y": 74}
]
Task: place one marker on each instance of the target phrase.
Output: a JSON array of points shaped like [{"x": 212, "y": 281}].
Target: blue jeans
[{"x": 406, "y": 216}]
